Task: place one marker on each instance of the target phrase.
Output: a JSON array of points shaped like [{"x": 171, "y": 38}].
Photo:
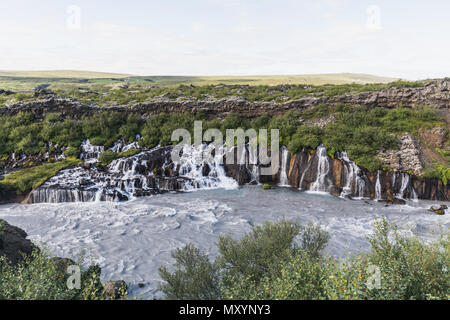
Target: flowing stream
[{"x": 131, "y": 239}]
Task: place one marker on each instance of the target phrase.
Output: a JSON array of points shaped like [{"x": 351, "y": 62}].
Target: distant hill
[
  {"x": 67, "y": 79},
  {"x": 61, "y": 74},
  {"x": 313, "y": 79}
]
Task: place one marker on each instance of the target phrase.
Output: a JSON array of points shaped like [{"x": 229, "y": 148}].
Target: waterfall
[
  {"x": 303, "y": 175},
  {"x": 354, "y": 184},
  {"x": 253, "y": 161},
  {"x": 378, "y": 187},
  {"x": 203, "y": 172},
  {"x": 323, "y": 168},
  {"x": 406, "y": 188},
  {"x": 52, "y": 195},
  {"x": 284, "y": 182},
  {"x": 90, "y": 153}
]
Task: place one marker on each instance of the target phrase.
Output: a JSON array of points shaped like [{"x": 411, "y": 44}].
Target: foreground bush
[
  {"x": 285, "y": 261},
  {"x": 42, "y": 277}
]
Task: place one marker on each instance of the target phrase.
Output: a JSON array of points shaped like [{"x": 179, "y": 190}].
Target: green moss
[
  {"x": 439, "y": 172},
  {"x": 24, "y": 180},
  {"x": 267, "y": 187},
  {"x": 108, "y": 156}
]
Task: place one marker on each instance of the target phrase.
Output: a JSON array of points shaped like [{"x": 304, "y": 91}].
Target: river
[{"x": 130, "y": 240}]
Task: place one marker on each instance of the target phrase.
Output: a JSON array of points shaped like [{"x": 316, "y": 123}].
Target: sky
[{"x": 403, "y": 38}]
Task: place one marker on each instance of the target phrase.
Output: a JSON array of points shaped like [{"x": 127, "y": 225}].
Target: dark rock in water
[
  {"x": 439, "y": 210},
  {"x": 397, "y": 201},
  {"x": 115, "y": 289},
  {"x": 393, "y": 201},
  {"x": 335, "y": 191},
  {"x": 14, "y": 243},
  {"x": 121, "y": 197}
]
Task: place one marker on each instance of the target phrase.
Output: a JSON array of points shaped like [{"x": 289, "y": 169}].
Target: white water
[
  {"x": 130, "y": 240},
  {"x": 355, "y": 184},
  {"x": 284, "y": 182},
  {"x": 323, "y": 168},
  {"x": 89, "y": 152},
  {"x": 378, "y": 187},
  {"x": 192, "y": 164}
]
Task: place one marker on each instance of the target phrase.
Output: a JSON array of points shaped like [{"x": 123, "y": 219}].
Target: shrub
[
  {"x": 42, "y": 277},
  {"x": 195, "y": 277},
  {"x": 108, "y": 156},
  {"x": 72, "y": 152},
  {"x": 259, "y": 254},
  {"x": 285, "y": 261},
  {"x": 439, "y": 172}
]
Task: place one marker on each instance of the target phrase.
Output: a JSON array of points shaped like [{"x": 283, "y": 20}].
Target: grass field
[{"x": 64, "y": 80}]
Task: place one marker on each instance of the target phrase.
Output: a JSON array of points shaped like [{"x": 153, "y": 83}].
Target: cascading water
[
  {"x": 203, "y": 172},
  {"x": 378, "y": 187},
  {"x": 90, "y": 153},
  {"x": 284, "y": 182},
  {"x": 406, "y": 188},
  {"x": 323, "y": 168},
  {"x": 253, "y": 161},
  {"x": 153, "y": 171},
  {"x": 355, "y": 184}
]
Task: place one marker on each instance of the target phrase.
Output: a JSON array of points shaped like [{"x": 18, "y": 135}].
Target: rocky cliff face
[
  {"x": 342, "y": 177},
  {"x": 435, "y": 93},
  {"x": 154, "y": 171}
]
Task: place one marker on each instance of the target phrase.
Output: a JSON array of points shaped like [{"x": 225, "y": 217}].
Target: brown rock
[
  {"x": 435, "y": 137},
  {"x": 115, "y": 289}
]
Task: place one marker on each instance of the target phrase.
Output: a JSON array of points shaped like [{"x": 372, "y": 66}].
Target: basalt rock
[
  {"x": 14, "y": 244},
  {"x": 408, "y": 158},
  {"x": 435, "y": 93},
  {"x": 439, "y": 210}
]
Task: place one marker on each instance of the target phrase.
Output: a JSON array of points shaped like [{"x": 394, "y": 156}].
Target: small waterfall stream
[
  {"x": 90, "y": 153},
  {"x": 323, "y": 168},
  {"x": 406, "y": 188},
  {"x": 378, "y": 187},
  {"x": 355, "y": 185},
  {"x": 284, "y": 182}
]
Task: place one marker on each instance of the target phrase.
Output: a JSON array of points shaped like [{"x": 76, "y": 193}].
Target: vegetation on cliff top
[
  {"x": 141, "y": 91},
  {"x": 285, "y": 261}
]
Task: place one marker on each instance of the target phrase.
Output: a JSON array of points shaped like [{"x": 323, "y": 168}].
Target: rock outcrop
[
  {"x": 408, "y": 158},
  {"x": 439, "y": 210},
  {"x": 435, "y": 137},
  {"x": 14, "y": 243},
  {"x": 435, "y": 93}
]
